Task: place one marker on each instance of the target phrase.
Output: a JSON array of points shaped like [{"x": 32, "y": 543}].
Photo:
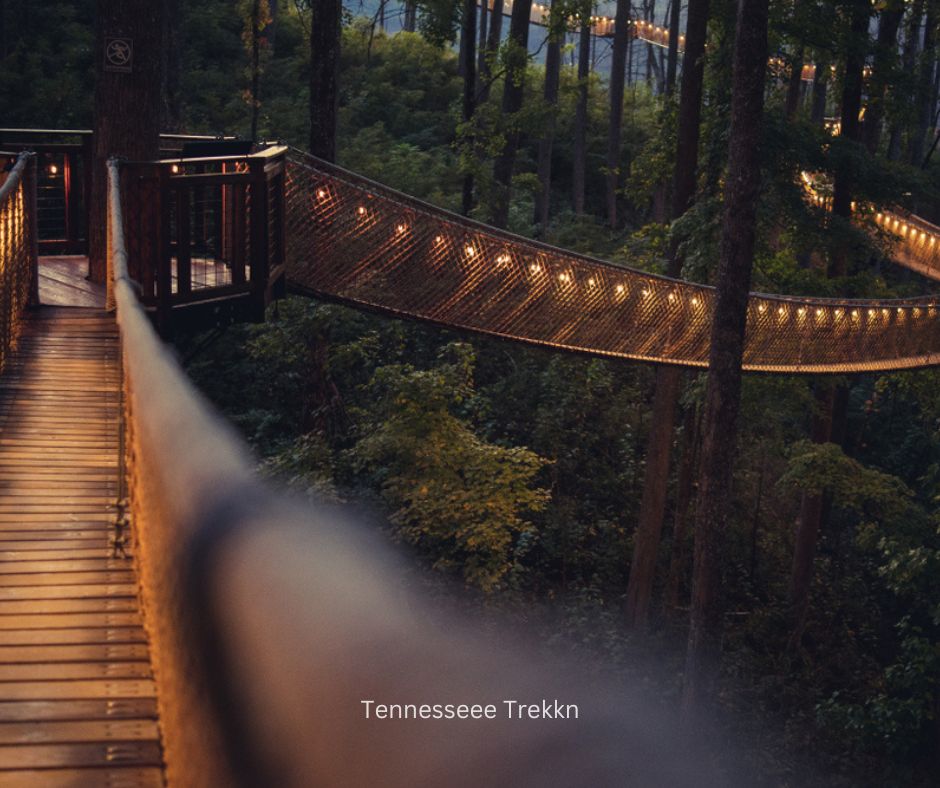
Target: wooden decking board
[
  {"x": 117, "y": 652},
  {"x": 73, "y": 732},
  {"x": 72, "y": 778},
  {"x": 87, "y": 591},
  {"x": 77, "y": 697},
  {"x": 72, "y": 637},
  {"x": 84, "y": 709}
]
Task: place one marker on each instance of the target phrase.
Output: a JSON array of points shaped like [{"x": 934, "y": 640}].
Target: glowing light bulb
[
  {"x": 361, "y": 210},
  {"x": 534, "y": 268},
  {"x": 694, "y": 301},
  {"x": 645, "y": 292},
  {"x": 761, "y": 308},
  {"x": 619, "y": 288},
  {"x": 439, "y": 239},
  {"x": 781, "y": 310},
  {"x": 401, "y": 228},
  {"x": 469, "y": 250},
  {"x": 174, "y": 168},
  {"x": 53, "y": 169},
  {"x": 854, "y": 313},
  {"x": 321, "y": 193},
  {"x": 819, "y": 313}
]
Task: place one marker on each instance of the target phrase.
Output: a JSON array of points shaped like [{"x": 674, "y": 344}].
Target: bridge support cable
[
  {"x": 270, "y": 623},
  {"x": 361, "y": 243}
]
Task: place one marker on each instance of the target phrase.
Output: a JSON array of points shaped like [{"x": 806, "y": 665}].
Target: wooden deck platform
[
  {"x": 77, "y": 697},
  {"x": 62, "y": 283}
]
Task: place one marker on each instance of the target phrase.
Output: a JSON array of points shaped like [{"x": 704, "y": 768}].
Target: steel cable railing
[
  {"x": 270, "y": 623},
  {"x": 362, "y": 243},
  {"x": 17, "y": 250}
]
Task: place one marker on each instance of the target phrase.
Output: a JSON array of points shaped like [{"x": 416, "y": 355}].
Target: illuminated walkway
[{"x": 77, "y": 696}]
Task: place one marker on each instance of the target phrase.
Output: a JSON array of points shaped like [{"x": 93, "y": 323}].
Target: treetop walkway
[{"x": 237, "y": 642}]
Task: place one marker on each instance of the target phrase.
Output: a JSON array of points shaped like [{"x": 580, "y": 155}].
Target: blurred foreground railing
[
  {"x": 270, "y": 624},
  {"x": 18, "y": 275}
]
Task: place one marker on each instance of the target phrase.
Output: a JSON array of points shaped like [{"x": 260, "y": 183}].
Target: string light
[
  {"x": 321, "y": 193},
  {"x": 361, "y": 210}
]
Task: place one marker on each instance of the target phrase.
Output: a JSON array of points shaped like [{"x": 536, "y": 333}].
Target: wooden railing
[
  {"x": 18, "y": 249},
  {"x": 64, "y": 158},
  {"x": 270, "y": 623},
  {"x": 206, "y": 235}
]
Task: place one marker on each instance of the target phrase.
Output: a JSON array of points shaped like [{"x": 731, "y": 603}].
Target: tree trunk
[
  {"x": 172, "y": 101},
  {"x": 795, "y": 85},
  {"x": 690, "y": 109},
  {"x": 481, "y": 46},
  {"x": 469, "y": 61},
  {"x": 128, "y": 103},
  {"x": 882, "y": 67},
  {"x": 579, "y": 153},
  {"x": 552, "y": 76},
  {"x": 517, "y": 58},
  {"x": 924, "y": 87},
  {"x": 668, "y": 379},
  {"x": 653, "y": 503},
  {"x": 856, "y": 51},
  {"x": 255, "y": 98},
  {"x": 325, "y": 36},
  {"x": 494, "y": 36},
  {"x": 723, "y": 390},
  {"x": 617, "y": 68},
  {"x": 820, "y": 89},
  {"x": 678, "y": 560},
  {"x": 672, "y": 61},
  {"x": 410, "y": 20}
]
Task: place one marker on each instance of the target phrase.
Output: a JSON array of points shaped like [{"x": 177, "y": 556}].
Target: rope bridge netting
[{"x": 361, "y": 243}]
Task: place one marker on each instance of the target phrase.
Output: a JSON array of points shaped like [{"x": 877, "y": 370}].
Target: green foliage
[{"x": 455, "y": 496}]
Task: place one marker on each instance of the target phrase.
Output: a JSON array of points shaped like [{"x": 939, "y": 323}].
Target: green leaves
[{"x": 455, "y": 496}]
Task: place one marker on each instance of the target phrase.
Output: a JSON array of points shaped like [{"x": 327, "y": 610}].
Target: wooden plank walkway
[{"x": 77, "y": 697}]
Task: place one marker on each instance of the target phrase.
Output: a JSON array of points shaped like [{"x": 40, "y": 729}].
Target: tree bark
[
  {"x": 672, "y": 61},
  {"x": 690, "y": 109},
  {"x": 550, "y": 94},
  {"x": 820, "y": 90},
  {"x": 481, "y": 46},
  {"x": 255, "y": 33},
  {"x": 668, "y": 379},
  {"x": 410, "y": 20},
  {"x": 468, "y": 54},
  {"x": 494, "y": 37},
  {"x": 924, "y": 86},
  {"x": 172, "y": 101},
  {"x": 127, "y": 105},
  {"x": 685, "y": 492},
  {"x": 653, "y": 503},
  {"x": 885, "y": 54},
  {"x": 617, "y": 67},
  {"x": 856, "y": 51},
  {"x": 795, "y": 85},
  {"x": 325, "y": 36},
  {"x": 517, "y": 58},
  {"x": 581, "y": 114},
  {"x": 723, "y": 390}
]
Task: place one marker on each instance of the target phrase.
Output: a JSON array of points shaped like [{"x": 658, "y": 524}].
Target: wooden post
[
  {"x": 239, "y": 207},
  {"x": 30, "y": 196},
  {"x": 163, "y": 210},
  {"x": 88, "y": 157},
  {"x": 184, "y": 272},
  {"x": 258, "y": 218}
]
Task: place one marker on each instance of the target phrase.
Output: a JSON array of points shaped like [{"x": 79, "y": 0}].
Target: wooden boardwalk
[{"x": 77, "y": 697}]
